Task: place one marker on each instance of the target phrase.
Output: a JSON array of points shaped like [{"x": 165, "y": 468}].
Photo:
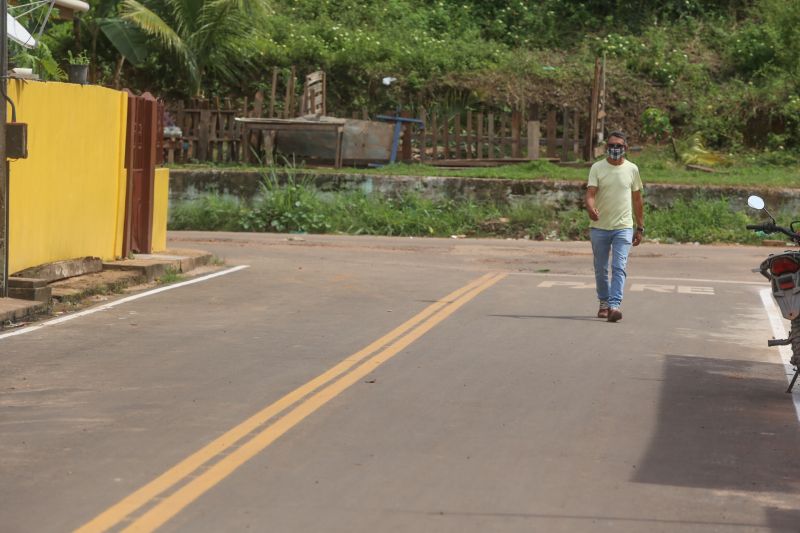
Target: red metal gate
[{"x": 144, "y": 134}]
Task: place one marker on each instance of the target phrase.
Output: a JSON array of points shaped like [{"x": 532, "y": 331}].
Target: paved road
[{"x": 356, "y": 384}]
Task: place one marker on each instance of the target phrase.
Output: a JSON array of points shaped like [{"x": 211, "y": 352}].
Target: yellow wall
[
  {"x": 160, "y": 207},
  {"x": 67, "y": 198}
]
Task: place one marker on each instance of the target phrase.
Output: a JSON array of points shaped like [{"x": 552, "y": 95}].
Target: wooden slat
[
  {"x": 504, "y": 139},
  {"x": 457, "y": 132},
  {"x": 552, "y": 150},
  {"x": 565, "y": 135},
  {"x": 258, "y": 104},
  {"x": 594, "y": 102},
  {"x": 203, "y": 129},
  {"x": 516, "y": 123},
  {"x": 434, "y": 139},
  {"x": 479, "y": 137},
  {"x": 446, "y": 135},
  {"x": 407, "y": 128},
  {"x": 576, "y": 133},
  {"x": 422, "y": 134},
  {"x": 469, "y": 134},
  {"x": 490, "y": 132}
]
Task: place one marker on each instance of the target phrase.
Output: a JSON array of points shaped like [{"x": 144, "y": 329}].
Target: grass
[
  {"x": 296, "y": 206},
  {"x": 656, "y": 163},
  {"x": 171, "y": 275},
  {"x": 299, "y": 209}
]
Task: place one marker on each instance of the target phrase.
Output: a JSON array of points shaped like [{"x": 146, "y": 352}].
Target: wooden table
[{"x": 274, "y": 125}]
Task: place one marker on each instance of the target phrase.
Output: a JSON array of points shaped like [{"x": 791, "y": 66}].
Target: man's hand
[
  {"x": 637, "y": 237},
  {"x": 594, "y": 214}
]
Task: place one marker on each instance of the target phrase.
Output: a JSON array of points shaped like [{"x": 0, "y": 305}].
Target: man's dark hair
[{"x": 619, "y": 134}]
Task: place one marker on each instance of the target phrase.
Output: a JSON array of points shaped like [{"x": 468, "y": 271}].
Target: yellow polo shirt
[{"x": 614, "y": 183}]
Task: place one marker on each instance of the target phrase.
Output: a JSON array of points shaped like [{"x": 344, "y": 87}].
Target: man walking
[{"x": 613, "y": 200}]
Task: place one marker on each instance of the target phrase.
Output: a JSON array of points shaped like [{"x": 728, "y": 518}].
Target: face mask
[{"x": 615, "y": 153}]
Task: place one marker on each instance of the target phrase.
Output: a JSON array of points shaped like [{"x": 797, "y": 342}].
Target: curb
[{"x": 31, "y": 296}]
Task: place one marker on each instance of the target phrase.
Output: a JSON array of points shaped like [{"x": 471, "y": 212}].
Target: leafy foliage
[
  {"x": 725, "y": 70},
  {"x": 704, "y": 221},
  {"x": 297, "y": 207}
]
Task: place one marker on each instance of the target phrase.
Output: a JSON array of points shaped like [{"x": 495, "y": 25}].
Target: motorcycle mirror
[{"x": 756, "y": 202}]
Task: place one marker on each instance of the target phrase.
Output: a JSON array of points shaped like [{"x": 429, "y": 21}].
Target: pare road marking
[{"x": 636, "y": 287}]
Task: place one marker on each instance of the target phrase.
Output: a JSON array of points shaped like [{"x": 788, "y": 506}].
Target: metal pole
[{"x": 3, "y": 161}]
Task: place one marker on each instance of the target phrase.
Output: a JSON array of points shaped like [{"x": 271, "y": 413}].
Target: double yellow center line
[{"x": 232, "y": 449}]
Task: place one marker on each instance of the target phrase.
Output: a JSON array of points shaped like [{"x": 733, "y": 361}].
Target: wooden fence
[
  {"x": 488, "y": 136},
  {"x": 210, "y": 133}
]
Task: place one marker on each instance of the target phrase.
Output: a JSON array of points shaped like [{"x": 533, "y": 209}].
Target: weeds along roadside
[{"x": 290, "y": 204}]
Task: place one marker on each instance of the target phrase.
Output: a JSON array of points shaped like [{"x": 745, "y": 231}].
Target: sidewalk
[{"x": 33, "y": 296}]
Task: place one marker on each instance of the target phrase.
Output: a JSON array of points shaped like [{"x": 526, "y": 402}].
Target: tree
[{"x": 218, "y": 37}]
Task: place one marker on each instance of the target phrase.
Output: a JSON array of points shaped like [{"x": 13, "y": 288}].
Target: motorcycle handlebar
[
  {"x": 771, "y": 227},
  {"x": 765, "y": 227}
]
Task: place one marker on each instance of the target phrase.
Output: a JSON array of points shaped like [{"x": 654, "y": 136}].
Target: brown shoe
[
  {"x": 603, "y": 312},
  {"x": 614, "y": 315}
]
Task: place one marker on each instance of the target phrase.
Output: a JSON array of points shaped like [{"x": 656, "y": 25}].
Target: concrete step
[
  {"x": 154, "y": 266},
  {"x": 13, "y": 310}
]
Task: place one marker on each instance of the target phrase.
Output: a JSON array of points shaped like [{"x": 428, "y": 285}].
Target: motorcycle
[{"x": 783, "y": 272}]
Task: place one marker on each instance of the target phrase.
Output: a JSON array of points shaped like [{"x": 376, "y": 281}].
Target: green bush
[
  {"x": 212, "y": 212},
  {"x": 702, "y": 220},
  {"x": 295, "y": 207},
  {"x": 655, "y": 124}
]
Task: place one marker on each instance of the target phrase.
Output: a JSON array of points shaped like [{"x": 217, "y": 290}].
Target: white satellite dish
[
  {"x": 18, "y": 34},
  {"x": 21, "y": 36},
  {"x": 72, "y": 5}
]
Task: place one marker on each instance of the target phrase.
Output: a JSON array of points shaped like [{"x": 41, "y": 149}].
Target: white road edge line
[
  {"x": 121, "y": 301},
  {"x": 776, "y": 320}
]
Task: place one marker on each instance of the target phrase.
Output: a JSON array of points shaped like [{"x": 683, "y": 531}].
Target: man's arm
[
  {"x": 594, "y": 214},
  {"x": 638, "y": 214}
]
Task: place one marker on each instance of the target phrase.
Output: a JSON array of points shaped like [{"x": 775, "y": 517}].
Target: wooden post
[
  {"x": 273, "y": 93},
  {"x": 479, "y": 137},
  {"x": 258, "y": 104},
  {"x": 285, "y": 111},
  {"x": 216, "y": 130},
  {"x": 269, "y": 147},
  {"x": 293, "y": 94},
  {"x": 534, "y": 138},
  {"x": 591, "y": 132}
]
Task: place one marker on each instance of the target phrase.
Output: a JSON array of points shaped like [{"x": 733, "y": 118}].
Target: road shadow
[
  {"x": 721, "y": 426},
  {"x": 783, "y": 520},
  {"x": 555, "y": 317}
]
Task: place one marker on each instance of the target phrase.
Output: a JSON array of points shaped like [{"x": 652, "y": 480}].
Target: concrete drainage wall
[{"x": 186, "y": 184}]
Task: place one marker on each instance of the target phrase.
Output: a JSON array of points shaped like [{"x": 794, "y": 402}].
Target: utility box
[{"x": 16, "y": 140}]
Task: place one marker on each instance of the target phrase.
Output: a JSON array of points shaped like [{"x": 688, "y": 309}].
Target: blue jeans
[{"x": 617, "y": 242}]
